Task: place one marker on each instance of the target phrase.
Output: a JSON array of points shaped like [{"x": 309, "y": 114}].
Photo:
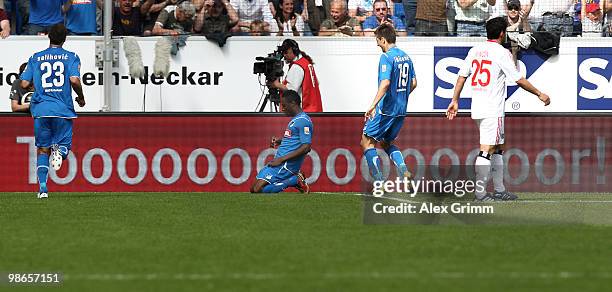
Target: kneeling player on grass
[{"x": 284, "y": 170}]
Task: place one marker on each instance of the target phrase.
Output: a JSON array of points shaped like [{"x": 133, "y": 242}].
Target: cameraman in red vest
[{"x": 300, "y": 77}]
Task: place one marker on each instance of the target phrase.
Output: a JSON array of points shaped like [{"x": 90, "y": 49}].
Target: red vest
[{"x": 311, "y": 96}]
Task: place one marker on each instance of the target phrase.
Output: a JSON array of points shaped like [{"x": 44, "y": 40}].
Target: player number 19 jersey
[{"x": 396, "y": 66}]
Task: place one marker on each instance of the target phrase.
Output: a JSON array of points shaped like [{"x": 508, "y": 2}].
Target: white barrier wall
[{"x": 205, "y": 77}]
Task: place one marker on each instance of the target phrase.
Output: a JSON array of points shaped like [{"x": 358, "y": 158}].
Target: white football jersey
[{"x": 486, "y": 67}]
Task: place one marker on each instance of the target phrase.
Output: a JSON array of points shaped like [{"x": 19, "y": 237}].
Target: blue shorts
[
  {"x": 274, "y": 174},
  {"x": 50, "y": 131},
  {"x": 383, "y": 128}
]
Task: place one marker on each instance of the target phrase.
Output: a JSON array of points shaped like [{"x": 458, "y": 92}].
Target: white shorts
[{"x": 491, "y": 131}]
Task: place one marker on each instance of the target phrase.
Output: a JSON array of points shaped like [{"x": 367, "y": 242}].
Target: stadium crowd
[{"x": 305, "y": 17}]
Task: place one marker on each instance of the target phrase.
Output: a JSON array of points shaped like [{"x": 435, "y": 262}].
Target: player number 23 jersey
[{"x": 487, "y": 67}]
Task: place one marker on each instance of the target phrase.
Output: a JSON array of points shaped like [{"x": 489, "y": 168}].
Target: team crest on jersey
[
  {"x": 287, "y": 133},
  {"x": 307, "y": 130}
]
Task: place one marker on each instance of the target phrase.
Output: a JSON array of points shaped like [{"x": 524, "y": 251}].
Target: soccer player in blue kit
[
  {"x": 385, "y": 117},
  {"x": 54, "y": 72},
  {"x": 284, "y": 170}
]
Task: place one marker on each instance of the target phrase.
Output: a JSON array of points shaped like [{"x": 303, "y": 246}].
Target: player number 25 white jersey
[{"x": 487, "y": 67}]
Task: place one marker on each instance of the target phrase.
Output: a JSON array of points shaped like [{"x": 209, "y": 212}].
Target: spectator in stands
[
  {"x": 251, "y": 10},
  {"x": 153, "y": 13},
  {"x": 318, "y": 11},
  {"x": 471, "y": 15},
  {"x": 217, "y": 16},
  {"x": 552, "y": 15},
  {"x": 81, "y": 16},
  {"x": 258, "y": 28},
  {"x": 431, "y": 18},
  {"x": 592, "y": 19},
  {"x": 299, "y": 7},
  {"x": 129, "y": 20},
  {"x": 607, "y": 10},
  {"x": 43, "y": 15},
  {"x": 381, "y": 14},
  {"x": 517, "y": 20},
  {"x": 363, "y": 9},
  {"x": 5, "y": 25},
  {"x": 410, "y": 13},
  {"x": 287, "y": 21},
  {"x": 340, "y": 23},
  {"x": 17, "y": 93},
  {"x": 176, "y": 21}
]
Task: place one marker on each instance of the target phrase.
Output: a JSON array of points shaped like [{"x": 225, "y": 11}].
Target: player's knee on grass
[{"x": 258, "y": 186}]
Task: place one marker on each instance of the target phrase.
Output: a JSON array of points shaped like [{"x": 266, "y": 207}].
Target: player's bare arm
[
  {"x": 413, "y": 85},
  {"x": 16, "y": 107},
  {"x": 302, "y": 150},
  {"x": 525, "y": 84},
  {"x": 25, "y": 84},
  {"x": 78, "y": 88},
  {"x": 453, "y": 107},
  {"x": 382, "y": 88},
  {"x": 275, "y": 141}
]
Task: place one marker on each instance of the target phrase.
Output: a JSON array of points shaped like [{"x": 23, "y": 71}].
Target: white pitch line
[
  {"x": 347, "y": 275},
  {"x": 519, "y": 201}
]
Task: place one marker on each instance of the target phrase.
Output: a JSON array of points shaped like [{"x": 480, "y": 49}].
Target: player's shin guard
[
  {"x": 280, "y": 186},
  {"x": 483, "y": 168},
  {"x": 373, "y": 163},
  {"x": 398, "y": 159},
  {"x": 497, "y": 170},
  {"x": 42, "y": 171}
]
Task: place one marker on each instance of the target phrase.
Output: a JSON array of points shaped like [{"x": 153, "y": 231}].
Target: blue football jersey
[
  {"x": 81, "y": 17},
  {"x": 396, "y": 66},
  {"x": 50, "y": 71},
  {"x": 299, "y": 131}
]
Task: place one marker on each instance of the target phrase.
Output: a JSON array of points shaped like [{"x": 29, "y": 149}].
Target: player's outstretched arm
[
  {"x": 453, "y": 107},
  {"x": 302, "y": 150},
  {"x": 78, "y": 88},
  {"x": 525, "y": 84}
]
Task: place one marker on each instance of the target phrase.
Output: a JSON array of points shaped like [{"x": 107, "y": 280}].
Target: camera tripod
[{"x": 273, "y": 97}]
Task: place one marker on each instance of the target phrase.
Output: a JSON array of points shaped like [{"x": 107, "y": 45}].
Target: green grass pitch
[{"x": 292, "y": 242}]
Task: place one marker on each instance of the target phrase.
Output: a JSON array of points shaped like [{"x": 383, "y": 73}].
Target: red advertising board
[{"x": 211, "y": 153}]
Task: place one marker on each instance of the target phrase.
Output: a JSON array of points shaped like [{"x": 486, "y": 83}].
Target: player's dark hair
[
  {"x": 291, "y": 96},
  {"x": 496, "y": 26},
  {"x": 387, "y": 32},
  {"x": 22, "y": 68},
  {"x": 57, "y": 34}
]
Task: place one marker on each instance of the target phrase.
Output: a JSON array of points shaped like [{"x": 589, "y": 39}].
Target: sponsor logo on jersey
[
  {"x": 594, "y": 88},
  {"x": 307, "y": 130},
  {"x": 287, "y": 133}
]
